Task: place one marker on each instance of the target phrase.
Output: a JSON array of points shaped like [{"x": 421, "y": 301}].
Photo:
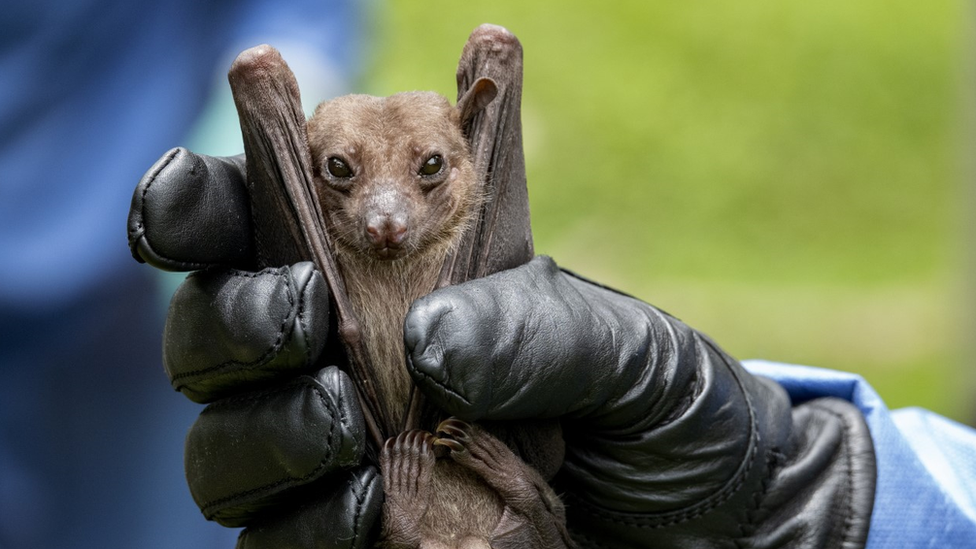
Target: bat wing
[
  {"x": 288, "y": 222},
  {"x": 502, "y": 236}
]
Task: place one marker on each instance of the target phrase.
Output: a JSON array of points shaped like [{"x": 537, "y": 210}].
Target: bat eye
[
  {"x": 432, "y": 165},
  {"x": 338, "y": 167}
]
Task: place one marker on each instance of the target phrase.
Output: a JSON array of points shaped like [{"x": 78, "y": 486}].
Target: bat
[{"x": 294, "y": 221}]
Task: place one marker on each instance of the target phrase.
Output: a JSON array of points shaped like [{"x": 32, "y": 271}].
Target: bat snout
[{"x": 386, "y": 234}]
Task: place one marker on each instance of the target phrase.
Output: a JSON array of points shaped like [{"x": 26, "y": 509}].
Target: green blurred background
[{"x": 789, "y": 177}]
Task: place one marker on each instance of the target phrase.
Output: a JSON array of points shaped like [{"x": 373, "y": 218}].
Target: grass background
[{"x": 789, "y": 177}]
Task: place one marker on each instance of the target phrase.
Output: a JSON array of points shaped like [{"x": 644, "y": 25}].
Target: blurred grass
[{"x": 789, "y": 177}]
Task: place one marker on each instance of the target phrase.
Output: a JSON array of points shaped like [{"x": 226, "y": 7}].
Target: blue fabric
[
  {"x": 91, "y": 446},
  {"x": 92, "y": 92},
  {"x": 926, "y": 490}
]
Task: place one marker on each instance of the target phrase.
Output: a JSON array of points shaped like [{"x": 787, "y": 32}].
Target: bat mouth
[{"x": 389, "y": 253}]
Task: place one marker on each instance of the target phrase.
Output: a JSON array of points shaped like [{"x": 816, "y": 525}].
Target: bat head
[{"x": 394, "y": 175}]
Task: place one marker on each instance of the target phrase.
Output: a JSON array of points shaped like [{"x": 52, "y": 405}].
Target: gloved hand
[
  {"x": 280, "y": 447},
  {"x": 669, "y": 442}
]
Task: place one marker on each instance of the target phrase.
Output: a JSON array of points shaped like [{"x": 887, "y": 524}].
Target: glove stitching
[
  {"x": 847, "y": 537},
  {"x": 138, "y": 233},
  {"x": 358, "y": 514},
  {"x": 303, "y": 320},
  {"x": 650, "y": 522},
  {"x": 749, "y": 527},
  {"x": 440, "y": 385},
  {"x": 588, "y": 541},
  {"x": 266, "y": 356},
  {"x": 138, "y": 230},
  {"x": 207, "y": 507},
  {"x": 251, "y": 398},
  {"x": 665, "y": 520}
]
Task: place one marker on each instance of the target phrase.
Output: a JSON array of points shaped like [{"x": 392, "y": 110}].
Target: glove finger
[
  {"x": 516, "y": 344},
  {"x": 345, "y": 519},
  {"x": 227, "y": 330},
  {"x": 191, "y": 211},
  {"x": 537, "y": 342},
  {"x": 245, "y": 453}
]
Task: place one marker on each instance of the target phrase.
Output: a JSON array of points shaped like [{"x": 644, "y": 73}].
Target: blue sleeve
[{"x": 926, "y": 486}]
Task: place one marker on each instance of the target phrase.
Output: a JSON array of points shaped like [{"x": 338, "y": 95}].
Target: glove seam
[
  {"x": 611, "y": 289},
  {"x": 658, "y": 521},
  {"x": 357, "y": 515},
  {"x": 138, "y": 233},
  {"x": 588, "y": 541},
  {"x": 265, "y": 357},
  {"x": 439, "y": 384},
  {"x": 207, "y": 507},
  {"x": 773, "y": 458},
  {"x": 645, "y": 521},
  {"x": 847, "y": 536}
]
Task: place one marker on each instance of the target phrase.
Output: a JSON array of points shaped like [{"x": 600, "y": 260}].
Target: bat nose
[{"x": 385, "y": 231}]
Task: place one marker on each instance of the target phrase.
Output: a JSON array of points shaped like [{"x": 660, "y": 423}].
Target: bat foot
[
  {"x": 455, "y": 436},
  {"x": 407, "y": 464},
  {"x": 477, "y": 450},
  {"x": 533, "y": 515}
]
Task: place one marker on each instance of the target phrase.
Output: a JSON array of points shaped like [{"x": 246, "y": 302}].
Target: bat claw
[
  {"x": 450, "y": 444},
  {"x": 454, "y": 428}
]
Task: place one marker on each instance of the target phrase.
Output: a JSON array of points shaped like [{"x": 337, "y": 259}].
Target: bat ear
[{"x": 478, "y": 96}]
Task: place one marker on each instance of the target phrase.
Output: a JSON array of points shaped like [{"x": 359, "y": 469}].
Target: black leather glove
[
  {"x": 669, "y": 442},
  {"x": 280, "y": 447}
]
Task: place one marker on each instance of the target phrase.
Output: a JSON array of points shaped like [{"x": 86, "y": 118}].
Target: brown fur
[{"x": 385, "y": 142}]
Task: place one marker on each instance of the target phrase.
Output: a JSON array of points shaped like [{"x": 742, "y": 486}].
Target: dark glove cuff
[
  {"x": 723, "y": 455},
  {"x": 814, "y": 491}
]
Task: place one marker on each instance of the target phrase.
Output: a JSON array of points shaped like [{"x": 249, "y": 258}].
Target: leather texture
[
  {"x": 245, "y": 452},
  {"x": 280, "y": 448},
  {"x": 669, "y": 442},
  {"x": 230, "y": 330},
  {"x": 340, "y": 520},
  {"x": 190, "y": 212}
]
